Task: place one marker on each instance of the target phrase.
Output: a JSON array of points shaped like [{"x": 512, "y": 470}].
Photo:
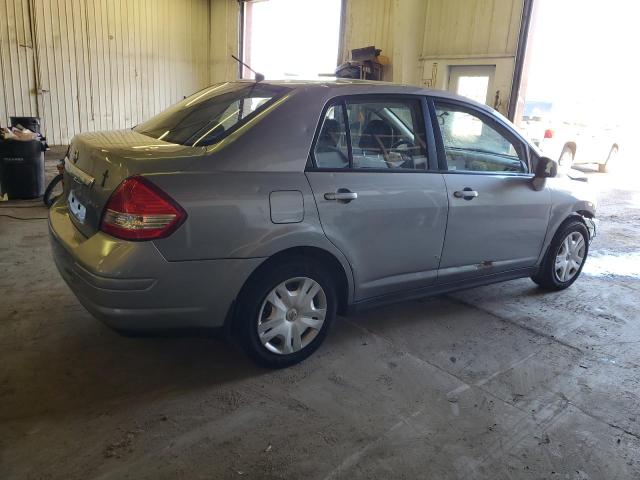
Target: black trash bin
[
  {"x": 32, "y": 123},
  {"x": 22, "y": 169}
]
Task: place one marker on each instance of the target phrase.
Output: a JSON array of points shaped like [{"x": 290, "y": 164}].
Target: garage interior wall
[
  {"x": 85, "y": 65},
  {"x": 424, "y": 38},
  {"x": 225, "y": 34}
]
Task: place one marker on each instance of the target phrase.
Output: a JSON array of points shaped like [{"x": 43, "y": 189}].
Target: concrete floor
[{"x": 497, "y": 382}]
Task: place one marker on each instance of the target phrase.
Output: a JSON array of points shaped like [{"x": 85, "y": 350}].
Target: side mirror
[{"x": 546, "y": 168}]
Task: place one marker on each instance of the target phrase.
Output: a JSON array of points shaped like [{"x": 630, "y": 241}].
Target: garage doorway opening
[
  {"x": 578, "y": 99},
  {"x": 291, "y": 39}
]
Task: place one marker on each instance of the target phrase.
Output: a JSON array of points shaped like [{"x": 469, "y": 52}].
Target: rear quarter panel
[{"x": 229, "y": 216}]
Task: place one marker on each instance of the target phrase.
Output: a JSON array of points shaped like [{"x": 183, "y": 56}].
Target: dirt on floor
[{"x": 497, "y": 382}]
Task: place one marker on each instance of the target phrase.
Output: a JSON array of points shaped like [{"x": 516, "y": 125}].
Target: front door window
[{"x": 472, "y": 144}]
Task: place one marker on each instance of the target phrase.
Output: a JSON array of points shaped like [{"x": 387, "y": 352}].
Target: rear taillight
[
  {"x": 548, "y": 133},
  {"x": 138, "y": 210}
]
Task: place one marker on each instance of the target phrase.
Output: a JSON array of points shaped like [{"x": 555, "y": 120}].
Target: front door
[
  {"x": 497, "y": 221},
  {"x": 378, "y": 202}
]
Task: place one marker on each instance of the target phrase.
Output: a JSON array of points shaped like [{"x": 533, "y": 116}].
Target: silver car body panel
[
  {"x": 388, "y": 242},
  {"x": 392, "y": 234},
  {"x": 501, "y": 229},
  {"x": 568, "y": 198},
  {"x": 131, "y": 285},
  {"x": 110, "y": 157},
  {"x": 286, "y": 206}
]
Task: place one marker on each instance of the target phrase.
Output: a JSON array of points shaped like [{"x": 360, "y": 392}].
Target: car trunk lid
[{"x": 98, "y": 162}]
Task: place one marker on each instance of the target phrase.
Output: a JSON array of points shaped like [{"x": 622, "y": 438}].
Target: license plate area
[{"x": 77, "y": 209}]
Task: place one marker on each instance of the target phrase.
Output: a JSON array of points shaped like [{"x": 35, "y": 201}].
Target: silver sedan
[{"x": 268, "y": 208}]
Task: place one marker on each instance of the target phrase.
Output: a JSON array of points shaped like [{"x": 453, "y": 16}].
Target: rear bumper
[{"x": 131, "y": 286}]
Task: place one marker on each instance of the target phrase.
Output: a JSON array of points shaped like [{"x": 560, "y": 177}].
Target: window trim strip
[{"x": 347, "y": 129}]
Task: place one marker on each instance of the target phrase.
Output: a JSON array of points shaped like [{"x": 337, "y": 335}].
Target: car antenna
[{"x": 259, "y": 76}]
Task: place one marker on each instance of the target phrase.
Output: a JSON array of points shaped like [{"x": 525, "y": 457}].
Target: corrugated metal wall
[
  {"x": 410, "y": 31},
  {"x": 84, "y": 65},
  {"x": 472, "y": 32},
  {"x": 472, "y": 27},
  {"x": 369, "y": 22},
  {"x": 225, "y": 22},
  {"x": 17, "y": 68}
]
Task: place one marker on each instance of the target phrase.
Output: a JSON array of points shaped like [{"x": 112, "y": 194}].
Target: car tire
[
  {"x": 566, "y": 158},
  {"x": 281, "y": 336},
  {"x": 611, "y": 162},
  {"x": 560, "y": 254}
]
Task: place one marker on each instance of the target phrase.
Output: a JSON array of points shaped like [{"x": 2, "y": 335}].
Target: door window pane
[
  {"x": 471, "y": 144},
  {"x": 387, "y": 134},
  {"x": 331, "y": 147}
]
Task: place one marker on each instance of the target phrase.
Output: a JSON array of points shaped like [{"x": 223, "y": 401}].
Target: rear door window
[
  {"x": 387, "y": 134},
  {"x": 373, "y": 134},
  {"x": 331, "y": 149}
]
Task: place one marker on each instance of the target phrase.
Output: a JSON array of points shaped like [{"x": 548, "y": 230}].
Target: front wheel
[
  {"x": 285, "y": 312},
  {"x": 565, "y": 257}
]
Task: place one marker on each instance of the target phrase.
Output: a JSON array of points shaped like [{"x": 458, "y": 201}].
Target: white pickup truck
[{"x": 572, "y": 142}]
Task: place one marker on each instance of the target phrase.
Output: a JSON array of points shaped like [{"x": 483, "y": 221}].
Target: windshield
[{"x": 209, "y": 115}]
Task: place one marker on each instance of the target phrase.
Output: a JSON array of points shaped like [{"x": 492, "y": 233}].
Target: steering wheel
[{"x": 402, "y": 141}]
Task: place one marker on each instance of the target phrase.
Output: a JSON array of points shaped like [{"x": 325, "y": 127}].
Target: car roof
[{"x": 347, "y": 86}]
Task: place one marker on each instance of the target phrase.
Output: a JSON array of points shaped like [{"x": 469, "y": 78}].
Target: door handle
[
  {"x": 342, "y": 195},
  {"x": 466, "y": 193}
]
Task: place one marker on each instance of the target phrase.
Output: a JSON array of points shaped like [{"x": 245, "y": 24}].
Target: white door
[{"x": 474, "y": 82}]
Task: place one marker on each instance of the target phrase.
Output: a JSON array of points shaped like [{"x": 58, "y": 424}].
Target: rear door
[
  {"x": 497, "y": 222},
  {"x": 380, "y": 200}
]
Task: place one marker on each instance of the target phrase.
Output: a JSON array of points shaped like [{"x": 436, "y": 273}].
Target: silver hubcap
[
  {"x": 292, "y": 315},
  {"x": 570, "y": 257}
]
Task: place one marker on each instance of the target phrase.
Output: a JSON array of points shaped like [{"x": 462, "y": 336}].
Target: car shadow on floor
[
  {"x": 82, "y": 363},
  {"x": 94, "y": 366}
]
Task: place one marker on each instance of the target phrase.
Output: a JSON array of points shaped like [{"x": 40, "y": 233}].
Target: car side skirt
[{"x": 439, "y": 289}]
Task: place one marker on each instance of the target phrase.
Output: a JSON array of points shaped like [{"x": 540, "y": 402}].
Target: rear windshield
[{"x": 209, "y": 115}]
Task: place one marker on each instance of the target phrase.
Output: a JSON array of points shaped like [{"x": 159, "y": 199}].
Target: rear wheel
[
  {"x": 565, "y": 257},
  {"x": 285, "y": 312},
  {"x": 611, "y": 162}
]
